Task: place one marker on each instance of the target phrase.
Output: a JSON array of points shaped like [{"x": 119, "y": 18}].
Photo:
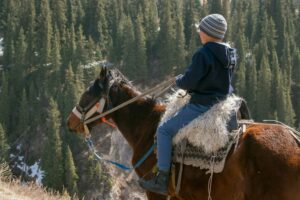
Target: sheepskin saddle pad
[{"x": 205, "y": 142}]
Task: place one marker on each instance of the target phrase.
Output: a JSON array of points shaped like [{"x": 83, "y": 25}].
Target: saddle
[{"x": 209, "y": 137}]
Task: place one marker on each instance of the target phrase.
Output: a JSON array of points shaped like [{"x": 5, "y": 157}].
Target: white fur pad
[{"x": 209, "y": 130}]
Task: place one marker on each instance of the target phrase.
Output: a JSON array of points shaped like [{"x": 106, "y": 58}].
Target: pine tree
[
  {"x": 58, "y": 10},
  {"x": 251, "y": 84},
  {"x": 54, "y": 80},
  {"x": 69, "y": 50},
  {"x": 289, "y": 115},
  {"x": 239, "y": 25},
  {"x": 297, "y": 21},
  {"x": 45, "y": 32},
  {"x": 251, "y": 20},
  {"x": 71, "y": 14},
  {"x": 23, "y": 117},
  {"x": 80, "y": 12},
  {"x": 18, "y": 69},
  {"x": 3, "y": 145},
  {"x": 240, "y": 83},
  {"x": 261, "y": 49},
  {"x": 115, "y": 26},
  {"x": 69, "y": 92},
  {"x": 240, "y": 80},
  {"x": 270, "y": 34},
  {"x": 52, "y": 162},
  {"x": 95, "y": 175},
  {"x": 286, "y": 60},
  {"x": 9, "y": 33},
  {"x": 190, "y": 30},
  {"x": 71, "y": 176},
  {"x": 226, "y": 11},
  {"x": 80, "y": 79},
  {"x": 179, "y": 46},
  {"x": 20, "y": 52},
  {"x": 264, "y": 90},
  {"x": 280, "y": 99},
  {"x": 35, "y": 109},
  {"x": 150, "y": 23},
  {"x": 96, "y": 23},
  {"x": 296, "y": 87},
  {"x": 215, "y": 6},
  {"x": 81, "y": 51},
  {"x": 166, "y": 39},
  {"x": 141, "y": 54},
  {"x": 4, "y": 101},
  {"x": 2, "y": 15},
  {"x": 189, "y": 21},
  {"x": 276, "y": 105},
  {"x": 279, "y": 14},
  {"x": 31, "y": 34},
  {"x": 261, "y": 22},
  {"x": 129, "y": 49}
]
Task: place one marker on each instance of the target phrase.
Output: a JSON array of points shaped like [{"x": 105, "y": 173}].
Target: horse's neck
[{"x": 137, "y": 121}]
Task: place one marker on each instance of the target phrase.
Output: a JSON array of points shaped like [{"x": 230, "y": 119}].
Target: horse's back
[
  {"x": 265, "y": 166},
  {"x": 272, "y": 163}
]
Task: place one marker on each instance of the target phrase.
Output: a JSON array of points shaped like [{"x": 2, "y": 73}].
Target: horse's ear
[
  {"x": 101, "y": 81},
  {"x": 103, "y": 72}
]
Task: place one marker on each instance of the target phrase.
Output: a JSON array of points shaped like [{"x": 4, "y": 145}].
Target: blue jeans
[{"x": 170, "y": 128}]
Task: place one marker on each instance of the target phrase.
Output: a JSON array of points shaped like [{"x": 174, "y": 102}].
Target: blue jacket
[{"x": 208, "y": 77}]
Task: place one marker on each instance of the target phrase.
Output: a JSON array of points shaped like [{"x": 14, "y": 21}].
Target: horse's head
[{"x": 92, "y": 102}]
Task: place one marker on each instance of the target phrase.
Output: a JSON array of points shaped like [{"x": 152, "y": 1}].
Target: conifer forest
[{"x": 50, "y": 50}]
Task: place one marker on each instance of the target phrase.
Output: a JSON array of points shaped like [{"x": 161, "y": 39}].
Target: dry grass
[{"x": 15, "y": 190}]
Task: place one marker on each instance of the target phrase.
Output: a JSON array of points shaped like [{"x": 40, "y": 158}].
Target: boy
[{"x": 208, "y": 80}]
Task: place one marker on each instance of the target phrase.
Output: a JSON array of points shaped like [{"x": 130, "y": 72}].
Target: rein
[
  {"x": 164, "y": 86},
  {"x": 90, "y": 144},
  {"x": 86, "y": 118}
]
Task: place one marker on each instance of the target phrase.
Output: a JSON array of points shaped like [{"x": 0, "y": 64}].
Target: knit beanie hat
[{"x": 214, "y": 25}]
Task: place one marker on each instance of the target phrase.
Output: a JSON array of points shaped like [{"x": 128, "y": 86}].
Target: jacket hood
[{"x": 222, "y": 52}]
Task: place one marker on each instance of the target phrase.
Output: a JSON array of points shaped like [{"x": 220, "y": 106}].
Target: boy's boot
[{"x": 158, "y": 184}]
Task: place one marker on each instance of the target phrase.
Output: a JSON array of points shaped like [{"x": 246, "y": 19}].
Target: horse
[{"x": 264, "y": 166}]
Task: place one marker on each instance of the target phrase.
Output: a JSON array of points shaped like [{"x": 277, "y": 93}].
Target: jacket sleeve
[{"x": 194, "y": 72}]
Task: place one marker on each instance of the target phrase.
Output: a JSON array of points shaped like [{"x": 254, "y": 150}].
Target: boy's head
[{"x": 214, "y": 26}]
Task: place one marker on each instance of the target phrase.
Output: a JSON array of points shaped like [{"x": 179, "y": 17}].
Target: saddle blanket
[{"x": 204, "y": 142}]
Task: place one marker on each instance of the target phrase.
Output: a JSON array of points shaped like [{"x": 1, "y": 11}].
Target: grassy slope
[{"x": 14, "y": 189}]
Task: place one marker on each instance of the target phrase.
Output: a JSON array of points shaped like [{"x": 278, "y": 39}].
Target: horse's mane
[{"x": 123, "y": 82}]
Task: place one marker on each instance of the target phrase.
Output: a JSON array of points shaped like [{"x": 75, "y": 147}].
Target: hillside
[{"x": 50, "y": 51}]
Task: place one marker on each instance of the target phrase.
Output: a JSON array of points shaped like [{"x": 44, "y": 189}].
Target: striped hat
[{"x": 214, "y": 25}]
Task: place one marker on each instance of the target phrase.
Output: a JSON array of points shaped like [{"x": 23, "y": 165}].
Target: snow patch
[
  {"x": 34, "y": 171},
  {"x": 19, "y": 146}
]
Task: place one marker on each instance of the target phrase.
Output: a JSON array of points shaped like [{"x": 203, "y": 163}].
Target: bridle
[
  {"x": 95, "y": 107},
  {"x": 98, "y": 106},
  {"x": 87, "y": 115}
]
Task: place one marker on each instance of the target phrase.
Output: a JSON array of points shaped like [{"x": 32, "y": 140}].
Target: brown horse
[{"x": 265, "y": 165}]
